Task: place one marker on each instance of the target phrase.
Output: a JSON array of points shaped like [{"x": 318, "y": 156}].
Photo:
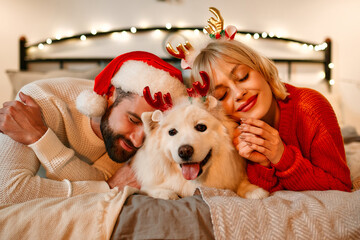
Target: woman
[{"x": 290, "y": 135}]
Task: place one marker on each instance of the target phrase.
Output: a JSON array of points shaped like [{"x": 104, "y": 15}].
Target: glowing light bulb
[
  {"x": 264, "y": 35},
  {"x": 196, "y": 31},
  {"x": 331, "y": 65},
  {"x": 41, "y": 46},
  {"x": 93, "y": 31},
  {"x": 168, "y": 26},
  {"x": 48, "y": 41},
  {"x": 82, "y": 37},
  {"x": 248, "y": 36},
  {"x": 58, "y": 36},
  {"x": 133, "y": 29},
  {"x": 256, "y": 36},
  {"x": 271, "y": 34},
  {"x": 331, "y": 82}
]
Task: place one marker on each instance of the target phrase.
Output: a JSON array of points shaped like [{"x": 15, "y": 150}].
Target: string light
[
  {"x": 331, "y": 82},
  {"x": 133, "y": 29},
  {"x": 331, "y": 65},
  {"x": 168, "y": 26},
  {"x": 322, "y": 75}
]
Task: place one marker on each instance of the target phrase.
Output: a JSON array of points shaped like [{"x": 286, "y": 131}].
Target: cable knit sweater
[
  {"x": 68, "y": 150},
  {"x": 314, "y": 156}
]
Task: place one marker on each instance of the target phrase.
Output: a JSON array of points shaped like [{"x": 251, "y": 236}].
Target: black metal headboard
[{"x": 25, "y": 60}]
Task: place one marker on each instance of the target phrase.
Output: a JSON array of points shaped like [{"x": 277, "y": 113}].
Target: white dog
[{"x": 188, "y": 146}]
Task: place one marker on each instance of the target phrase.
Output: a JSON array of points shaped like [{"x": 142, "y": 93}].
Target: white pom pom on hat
[{"x": 132, "y": 72}]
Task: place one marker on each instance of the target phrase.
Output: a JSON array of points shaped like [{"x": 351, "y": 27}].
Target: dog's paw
[
  {"x": 163, "y": 194},
  {"x": 258, "y": 193}
]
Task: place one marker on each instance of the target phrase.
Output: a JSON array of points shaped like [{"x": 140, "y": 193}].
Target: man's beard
[{"x": 112, "y": 144}]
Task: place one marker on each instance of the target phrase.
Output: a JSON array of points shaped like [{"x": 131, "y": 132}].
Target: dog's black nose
[{"x": 185, "y": 152}]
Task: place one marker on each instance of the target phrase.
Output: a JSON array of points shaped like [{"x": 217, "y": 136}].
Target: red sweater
[{"x": 314, "y": 155}]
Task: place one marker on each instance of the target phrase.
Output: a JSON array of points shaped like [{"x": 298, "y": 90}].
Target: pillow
[{"x": 20, "y": 78}]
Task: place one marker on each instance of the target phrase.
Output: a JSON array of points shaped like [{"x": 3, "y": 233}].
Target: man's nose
[{"x": 137, "y": 137}]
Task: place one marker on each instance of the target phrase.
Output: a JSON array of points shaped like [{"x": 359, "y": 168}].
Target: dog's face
[{"x": 188, "y": 134}]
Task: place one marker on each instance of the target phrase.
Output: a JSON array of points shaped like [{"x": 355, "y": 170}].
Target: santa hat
[{"x": 131, "y": 72}]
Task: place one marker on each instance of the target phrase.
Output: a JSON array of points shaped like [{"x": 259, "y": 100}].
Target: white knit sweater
[{"x": 69, "y": 149}]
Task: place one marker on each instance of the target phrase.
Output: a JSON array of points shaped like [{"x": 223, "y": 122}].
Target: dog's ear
[
  {"x": 211, "y": 102},
  {"x": 148, "y": 120},
  {"x": 157, "y": 116}
]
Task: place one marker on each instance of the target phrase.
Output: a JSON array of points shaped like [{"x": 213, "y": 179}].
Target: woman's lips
[{"x": 248, "y": 104}]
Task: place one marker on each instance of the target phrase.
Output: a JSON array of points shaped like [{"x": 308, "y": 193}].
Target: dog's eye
[
  {"x": 201, "y": 127},
  {"x": 172, "y": 132}
]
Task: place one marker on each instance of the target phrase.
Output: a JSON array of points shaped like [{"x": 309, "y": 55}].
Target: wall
[{"x": 308, "y": 20}]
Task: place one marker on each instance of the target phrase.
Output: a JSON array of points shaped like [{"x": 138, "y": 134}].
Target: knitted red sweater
[{"x": 314, "y": 156}]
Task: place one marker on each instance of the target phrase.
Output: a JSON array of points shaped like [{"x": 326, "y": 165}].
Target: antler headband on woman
[{"x": 187, "y": 53}]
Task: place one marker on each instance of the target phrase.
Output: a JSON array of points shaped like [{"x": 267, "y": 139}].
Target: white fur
[
  {"x": 134, "y": 76},
  {"x": 156, "y": 164},
  {"x": 91, "y": 104}
]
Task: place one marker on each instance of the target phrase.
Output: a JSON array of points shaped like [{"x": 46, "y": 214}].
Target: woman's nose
[
  {"x": 239, "y": 93},
  {"x": 137, "y": 136}
]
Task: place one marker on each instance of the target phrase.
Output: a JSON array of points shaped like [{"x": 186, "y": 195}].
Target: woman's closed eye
[
  {"x": 244, "y": 78},
  {"x": 220, "y": 94},
  {"x": 223, "y": 96}
]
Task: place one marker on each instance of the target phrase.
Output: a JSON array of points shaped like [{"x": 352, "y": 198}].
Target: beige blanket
[
  {"x": 285, "y": 215},
  {"x": 87, "y": 216}
]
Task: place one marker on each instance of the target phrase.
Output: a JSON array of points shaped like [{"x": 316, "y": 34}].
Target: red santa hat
[{"x": 132, "y": 72}]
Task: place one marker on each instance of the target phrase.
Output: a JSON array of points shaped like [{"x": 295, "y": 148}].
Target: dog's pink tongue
[{"x": 190, "y": 170}]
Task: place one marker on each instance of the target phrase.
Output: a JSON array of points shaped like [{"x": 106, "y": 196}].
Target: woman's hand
[{"x": 258, "y": 142}]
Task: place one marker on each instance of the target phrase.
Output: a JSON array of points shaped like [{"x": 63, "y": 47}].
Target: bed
[{"x": 210, "y": 213}]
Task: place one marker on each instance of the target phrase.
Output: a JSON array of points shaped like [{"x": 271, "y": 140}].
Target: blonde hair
[{"x": 235, "y": 52}]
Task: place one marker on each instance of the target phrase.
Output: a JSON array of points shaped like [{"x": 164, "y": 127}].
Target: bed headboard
[{"x": 281, "y": 50}]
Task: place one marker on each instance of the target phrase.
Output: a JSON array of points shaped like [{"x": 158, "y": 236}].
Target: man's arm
[
  {"x": 23, "y": 122},
  {"x": 18, "y": 180}
]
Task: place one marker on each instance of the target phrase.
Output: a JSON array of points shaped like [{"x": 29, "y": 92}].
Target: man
[{"x": 70, "y": 145}]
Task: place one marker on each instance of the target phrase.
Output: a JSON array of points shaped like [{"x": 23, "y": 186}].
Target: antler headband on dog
[{"x": 165, "y": 103}]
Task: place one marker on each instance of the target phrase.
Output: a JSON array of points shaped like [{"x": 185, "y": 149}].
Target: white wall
[{"x": 310, "y": 20}]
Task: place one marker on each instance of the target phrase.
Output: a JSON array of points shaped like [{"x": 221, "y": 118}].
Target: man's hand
[
  {"x": 123, "y": 176},
  {"x": 22, "y": 121}
]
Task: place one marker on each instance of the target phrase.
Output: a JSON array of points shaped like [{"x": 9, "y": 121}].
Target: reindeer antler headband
[{"x": 187, "y": 53}]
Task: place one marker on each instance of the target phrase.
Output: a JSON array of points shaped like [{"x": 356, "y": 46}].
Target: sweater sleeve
[
  {"x": 61, "y": 162},
  {"x": 19, "y": 182},
  {"x": 68, "y": 149},
  {"x": 314, "y": 156},
  {"x": 327, "y": 169}
]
